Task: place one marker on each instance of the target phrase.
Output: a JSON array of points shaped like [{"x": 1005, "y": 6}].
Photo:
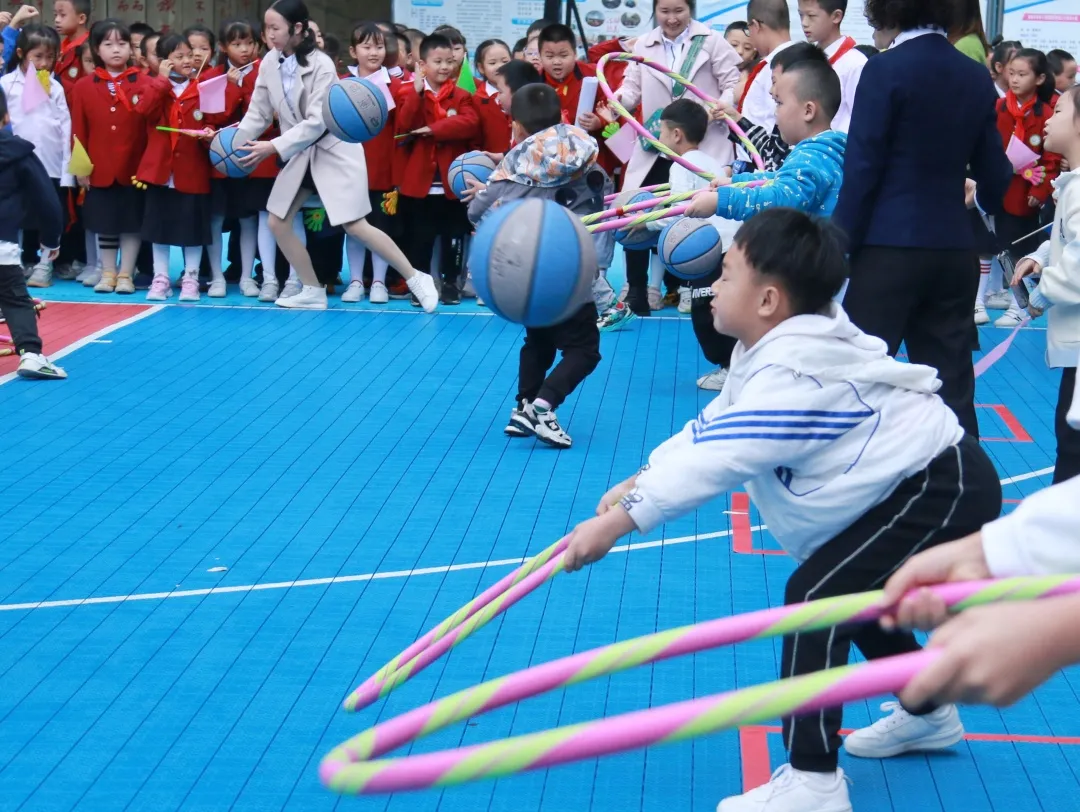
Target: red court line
[
  {"x": 756, "y": 767},
  {"x": 742, "y": 537},
  {"x": 1019, "y": 435},
  {"x": 64, "y": 323}
]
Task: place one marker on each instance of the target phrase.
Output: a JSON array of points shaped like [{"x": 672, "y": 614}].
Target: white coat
[{"x": 338, "y": 169}]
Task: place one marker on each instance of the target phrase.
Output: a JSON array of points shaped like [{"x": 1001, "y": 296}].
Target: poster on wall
[
  {"x": 478, "y": 20},
  {"x": 1044, "y": 25}
]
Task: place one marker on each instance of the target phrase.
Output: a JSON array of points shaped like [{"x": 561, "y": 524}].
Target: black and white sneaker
[
  {"x": 547, "y": 429},
  {"x": 520, "y": 424}
]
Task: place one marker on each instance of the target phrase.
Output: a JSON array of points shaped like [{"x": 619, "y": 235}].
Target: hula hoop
[{"x": 348, "y": 768}]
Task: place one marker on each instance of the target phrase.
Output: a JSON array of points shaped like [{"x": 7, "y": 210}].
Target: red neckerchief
[
  {"x": 758, "y": 68},
  {"x": 847, "y": 45},
  {"x": 114, "y": 83},
  {"x": 1019, "y": 112},
  {"x": 563, "y": 89},
  {"x": 176, "y": 113},
  {"x": 69, "y": 44},
  {"x": 445, "y": 92}
]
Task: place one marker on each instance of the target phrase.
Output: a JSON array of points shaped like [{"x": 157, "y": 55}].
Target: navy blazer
[{"x": 924, "y": 120}]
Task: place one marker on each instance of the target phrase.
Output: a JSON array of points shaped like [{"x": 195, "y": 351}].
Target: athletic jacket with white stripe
[{"x": 816, "y": 420}]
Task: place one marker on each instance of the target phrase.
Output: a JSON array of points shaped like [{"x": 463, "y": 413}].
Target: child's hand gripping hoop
[{"x": 349, "y": 768}]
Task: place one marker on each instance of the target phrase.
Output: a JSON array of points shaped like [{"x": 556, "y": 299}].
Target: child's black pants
[
  {"x": 17, "y": 308},
  {"x": 577, "y": 338}
]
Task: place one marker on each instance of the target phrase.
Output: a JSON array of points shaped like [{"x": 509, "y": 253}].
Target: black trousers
[
  {"x": 922, "y": 298},
  {"x": 952, "y": 497},
  {"x": 17, "y": 308},
  {"x": 577, "y": 338},
  {"x": 1067, "y": 464},
  {"x": 717, "y": 347},
  {"x": 427, "y": 219}
]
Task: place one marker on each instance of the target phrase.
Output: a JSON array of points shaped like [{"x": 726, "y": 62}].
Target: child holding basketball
[
  {"x": 853, "y": 461},
  {"x": 557, "y": 162}
]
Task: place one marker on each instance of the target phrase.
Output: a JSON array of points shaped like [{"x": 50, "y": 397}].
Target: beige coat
[
  {"x": 715, "y": 73},
  {"x": 337, "y": 168}
]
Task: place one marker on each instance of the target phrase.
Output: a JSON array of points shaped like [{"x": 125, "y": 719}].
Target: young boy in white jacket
[
  {"x": 853, "y": 461},
  {"x": 1058, "y": 292}
]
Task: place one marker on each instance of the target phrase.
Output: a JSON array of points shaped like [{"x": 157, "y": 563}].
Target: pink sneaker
[
  {"x": 160, "y": 289},
  {"x": 189, "y": 288}
]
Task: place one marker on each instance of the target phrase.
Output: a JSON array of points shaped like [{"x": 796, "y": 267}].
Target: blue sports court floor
[{"x": 229, "y": 516}]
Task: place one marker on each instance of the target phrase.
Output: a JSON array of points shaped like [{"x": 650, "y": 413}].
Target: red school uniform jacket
[
  {"x": 237, "y": 100},
  {"x": 173, "y": 155},
  {"x": 455, "y": 127},
  {"x": 68, "y": 66},
  {"x": 569, "y": 92},
  {"x": 613, "y": 71},
  {"x": 109, "y": 124},
  {"x": 1028, "y": 129},
  {"x": 494, "y": 123}
]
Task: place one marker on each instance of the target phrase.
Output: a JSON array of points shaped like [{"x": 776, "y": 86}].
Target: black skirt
[
  {"x": 114, "y": 210},
  {"x": 176, "y": 218},
  {"x": 391, "y": 225},
  {"x": 238, "y": 198}
]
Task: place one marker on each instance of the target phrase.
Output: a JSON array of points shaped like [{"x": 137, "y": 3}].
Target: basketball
[
  {"x": 643, "y": 239},
  {"x": 223, "y": 154},
  {"x": 355, "y": 110},
  {"x": 533, "y": 262},
  {"x": 475, "y": 165},
  {"x": 691, "y": 248}
]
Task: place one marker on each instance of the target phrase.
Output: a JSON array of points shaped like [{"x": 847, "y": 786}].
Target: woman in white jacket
[{"x": 294, "y": 79}]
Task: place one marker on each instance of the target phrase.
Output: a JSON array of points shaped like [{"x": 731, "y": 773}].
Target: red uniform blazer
[
  {"x": 237, "y": 100},
  {"x": 569, "y": 92},
  {"x": 113, "y": 135},
  {"x": 431, "y": 155},
  {"x": 1016, "y": 202},
  {"x": 68, "y": 66},
  {"x": 172, "y": 155},
  {"x": 494, "y": 123}
]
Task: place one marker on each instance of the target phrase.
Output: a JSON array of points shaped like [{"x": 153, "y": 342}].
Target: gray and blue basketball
[
  {"x": 533, "y": 262},
  {"x": 643, "y": 238},
  {"x": 691, "y": 248},
  {"x": 224, "y": 154},
  {"x": 473, "y": 165},
  {"x": 355, "y": 110}
]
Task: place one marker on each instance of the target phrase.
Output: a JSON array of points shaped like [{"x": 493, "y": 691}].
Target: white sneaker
[
  {"x": 980, "y": 314},
  {"x": 91, "y": 277},
  {"x": 1002, "y": 300},
  {"x": 656, "y": 299},
  {"x": 292, "y": 288},
  {"x": 714, "y": 381},
  {"x": 901, "y": 732},
  {"x": 547, "y": 429},
  {"x": 40, "y": 276},
  {"x": 269, "y": 291},
  {"x": 249, "y": 287},
  {"x": 37, "y": 367},
  {"x": 354, "y": 293},
  {"x": 217, "y": 289},
  {"x": 684, "y": 300},
  {"x": 423, "y": 288},
  {"x": 791, "y": 790},
  {"x": 378, "y": 293},
  {"x": 310, "y": 297},
  {"x": 1011, "y": 318},
  {"x": 82, "y": 270}
]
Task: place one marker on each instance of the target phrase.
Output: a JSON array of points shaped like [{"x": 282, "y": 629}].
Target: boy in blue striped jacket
[{"x": 853, "y": 461}]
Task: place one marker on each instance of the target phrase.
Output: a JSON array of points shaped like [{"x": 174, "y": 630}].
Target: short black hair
[
  {"x": 30, "y": 37},
  {"x": 144, "y": 46},
  {"x": 1040, "y": 66},
  {"x": 452, "y": 34},
  {"x": 903, "y": 15},
  {"x": 829, "y": 6},
  {"x": 1057, "y": 59},
  {"x": 738, "y": 25},
  {"x": 799, "y": 52},
  {"x": 804, "y": 254},
  {"x": 141, "y": 29},
  {"x": 366, "y": 30},
  {"x": 688, "y": 116},
  {"x": 83, "y": 7},
  {"x": 520, "y": 46},
  {"x": 536, "y": 107},
  {"x": 517, "y": 73},
  {"x": 202, "y": 31},
  {"x": 3, "y": 106},
  {"x": 233, "y": 30},
  {"x": 772, "y": 14},
  {"x": 538, "y": 26},
  {"x": 433, "y": 42},
  {"x": 331, "y": 46},
  {"x": 167, "y": 43},
  {"x": 100, "y": 32},
  {"x": 817, "y": 82},
  {"x": 557, "y": 32}
]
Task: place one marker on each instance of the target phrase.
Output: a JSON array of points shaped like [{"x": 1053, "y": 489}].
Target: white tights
[{"x": 192, "y": 258}]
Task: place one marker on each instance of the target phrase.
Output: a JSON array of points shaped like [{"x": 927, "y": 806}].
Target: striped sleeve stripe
[{"x": 702, "y": 437}]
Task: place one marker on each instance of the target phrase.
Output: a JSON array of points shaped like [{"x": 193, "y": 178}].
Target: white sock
[
  {"x": 249, "y": 228},
  {"x": 355, "y": 252},
  {"x": 193, "y": 257},
  {"x": 161, "y": 260},
  {"x": 379, "y": 267},
  {"x": 656, "y": 271},
  {"x": 215, "y": 248},
  {"x": 267, "y": 248},
  {"x": 298, "y": 230},
  {"x": 985, "y": 264},
  {"x": 91, "y": 250}
]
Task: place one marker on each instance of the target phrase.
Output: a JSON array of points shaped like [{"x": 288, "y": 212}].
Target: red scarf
[
  {"x": 69, "y": 44},
  {"x": 176, "y": 113},
  {"x": 115, "y": 83},
  {"x": 758, "y": 68},
  {"x": 1019, "y": 112},
  {"x": 847, "y": 45},
  {"x": 445, "y": 92}
]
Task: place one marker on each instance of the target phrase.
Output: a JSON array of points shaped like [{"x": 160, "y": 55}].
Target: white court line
[
  {"x": 340, "y": 579},
  {"x": 92, "y": 338},
  {"x": 1032, "y": 475}
]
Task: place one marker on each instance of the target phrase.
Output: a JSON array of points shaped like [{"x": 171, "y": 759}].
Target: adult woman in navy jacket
[{"x": 923, "y": 122}]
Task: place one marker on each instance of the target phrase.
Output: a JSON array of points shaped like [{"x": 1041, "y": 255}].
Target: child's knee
[{"x": 279, "y": 227}]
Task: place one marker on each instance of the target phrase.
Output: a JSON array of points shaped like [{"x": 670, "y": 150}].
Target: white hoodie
[
  {"x": 1042, "y": 536},
  {"x": 818, "y": 422}
]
